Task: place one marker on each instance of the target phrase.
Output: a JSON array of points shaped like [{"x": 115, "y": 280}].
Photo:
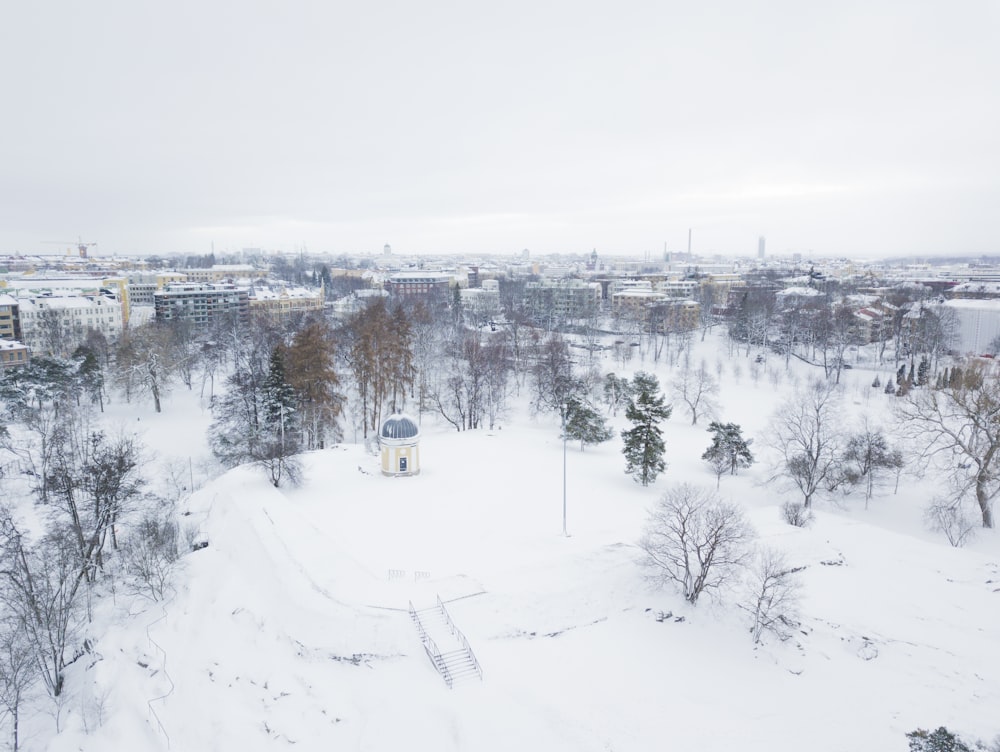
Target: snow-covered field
[{"x": 291, "y": 629}]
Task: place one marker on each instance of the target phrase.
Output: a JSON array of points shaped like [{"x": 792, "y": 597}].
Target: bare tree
[
  {"x": 553, "y": 375},
  {"x": 805, "y": 435},
  {"x": 39, "y": 585},
  {"x": 145, "y": 362},
  {"x": 695, "y": 540},
  {"x": 497, "y": 368},
  {"x": 771, "y": 594},
  {"x": 150, "y": 553},
  {"x": 17, "y": 673},
  {"x": 959, "y": 427},
  {"x": 946, "y": 515},
  {"x": 617, "y": 392},
  {"x": 697, "y": 389},
  {"x": 91, "y": 481}
]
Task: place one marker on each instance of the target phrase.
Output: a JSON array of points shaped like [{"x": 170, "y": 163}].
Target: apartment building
[
  {"x": 560, "y": 301},
  {"x": 10, "y": 324},
  {"x": 200, "y": 304},
  {"x": 57, "y": 324},
  {"x": 282, "y": 301},
  {"x": 13, "y": 354}
]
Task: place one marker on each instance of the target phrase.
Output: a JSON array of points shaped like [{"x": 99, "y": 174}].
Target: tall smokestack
[{"x": 689, "y": 241}]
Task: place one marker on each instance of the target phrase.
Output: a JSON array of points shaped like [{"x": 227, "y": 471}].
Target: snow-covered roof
[
  {"x": 977, "y": 288},
  {"x": 801, "y": 291}
]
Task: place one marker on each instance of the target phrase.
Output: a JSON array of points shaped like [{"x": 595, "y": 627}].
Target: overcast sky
[{"x": 837, "y": 128}]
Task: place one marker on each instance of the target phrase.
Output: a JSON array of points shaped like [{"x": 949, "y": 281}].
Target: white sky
[{"x": 848, "y": 128}]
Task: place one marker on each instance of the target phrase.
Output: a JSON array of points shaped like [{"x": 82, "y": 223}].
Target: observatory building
[{"x": 399, "y": 439}]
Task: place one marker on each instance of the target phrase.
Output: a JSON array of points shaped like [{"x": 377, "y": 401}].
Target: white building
[
  {"x": 978, "y": 324},
  {"x": 58, "y": 324},
  {"x": 482, "y": 303}
]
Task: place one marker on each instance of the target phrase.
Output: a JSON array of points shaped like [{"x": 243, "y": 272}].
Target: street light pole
[{"x": 565, "y": 409}]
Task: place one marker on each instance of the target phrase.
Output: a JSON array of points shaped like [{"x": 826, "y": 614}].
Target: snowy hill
[{"x": 291, "y": 628}]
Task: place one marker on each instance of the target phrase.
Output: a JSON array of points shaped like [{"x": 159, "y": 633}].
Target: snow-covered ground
[{"x": 291, "y": 628}]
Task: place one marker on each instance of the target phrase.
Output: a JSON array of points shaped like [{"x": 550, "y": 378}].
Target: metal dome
[{"x": 399, "y": 427}]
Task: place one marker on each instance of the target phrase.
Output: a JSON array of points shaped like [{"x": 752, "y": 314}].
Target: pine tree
[
  {"x": 923, "y": 372},
  {"x": 255, "y": 420},
  {"x": 585, "y": 424},
  {"x": 644, "y": 446},
  {"x": 901, "y": 375},
  {"x": 278, "y": 398},
  {"x": 866, "y": 456},
  {"x": 279, "y": 437},
  {"x": 941, "y": 740},
  {"x": 729, "y": 450}
]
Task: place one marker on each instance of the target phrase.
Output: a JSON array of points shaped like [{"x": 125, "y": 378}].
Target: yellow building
[
  {"x": 399, "y": 440},
  {"x": 283, "y": 301},
  {"x": 13, "y": 354}
]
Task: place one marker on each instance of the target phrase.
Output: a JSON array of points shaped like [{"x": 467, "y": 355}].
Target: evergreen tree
[
  {"x": 866, "y": 455},
  {"x": 584, "y": 423},
  {"x": 90, "y": 374},
  {"x": 278, "y": 398},
  {"x": 729, "y": 450},
  {"x": 941, "y": 740},
  {"x": 644, "y": 446},
  {"x": 255, "y": 420},
  {"x": 923, "y": 372},
  {"x": 890, "y": 388},
  {"x": 901, "y": 375}
]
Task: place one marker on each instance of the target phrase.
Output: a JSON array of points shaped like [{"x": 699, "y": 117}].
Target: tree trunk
[{"x": 984, "y": 501}]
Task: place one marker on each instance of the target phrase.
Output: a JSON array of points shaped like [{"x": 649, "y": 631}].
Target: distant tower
[
  {"x": 689, "y": 241},
  {"x": 387, "y": 250},
  {"x": 525, "y": 254},
  {"x": 760, "y": 247}
]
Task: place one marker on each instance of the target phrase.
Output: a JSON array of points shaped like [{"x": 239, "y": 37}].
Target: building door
[{"x": 402, "y": 464}]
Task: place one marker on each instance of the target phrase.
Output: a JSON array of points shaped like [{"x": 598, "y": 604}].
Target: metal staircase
[{"x": 445, "y": 644}]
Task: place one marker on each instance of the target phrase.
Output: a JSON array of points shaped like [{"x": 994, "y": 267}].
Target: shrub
[{"x": 797, "y": 514}]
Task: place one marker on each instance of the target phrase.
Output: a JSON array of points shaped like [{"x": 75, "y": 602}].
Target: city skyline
[{"x": 863, "y": 130}]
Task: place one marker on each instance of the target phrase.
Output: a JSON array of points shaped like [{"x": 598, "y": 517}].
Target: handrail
[
  {"x": 416, "y": 620},
  {"x": 431, "y": 648},
  {"x": 461, "y": 637}
]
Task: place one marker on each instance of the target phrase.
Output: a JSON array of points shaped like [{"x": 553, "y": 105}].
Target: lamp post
[{"x": 564, "y": 411}]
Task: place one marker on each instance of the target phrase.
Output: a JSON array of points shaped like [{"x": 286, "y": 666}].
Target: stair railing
[
  {"x": 461, "y": 637},
  {"x": 431, "y": 648}
]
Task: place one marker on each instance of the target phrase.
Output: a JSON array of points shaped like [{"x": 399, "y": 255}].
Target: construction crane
[{"x": 81, "y": 247}]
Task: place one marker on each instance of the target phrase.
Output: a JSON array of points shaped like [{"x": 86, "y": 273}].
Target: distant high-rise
[
  {"x": 387, "y": 250},
  {"x": 760, "y": 247}
]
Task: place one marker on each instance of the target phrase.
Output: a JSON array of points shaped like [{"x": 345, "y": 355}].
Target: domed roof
[{"x": 398, "y": 427}]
